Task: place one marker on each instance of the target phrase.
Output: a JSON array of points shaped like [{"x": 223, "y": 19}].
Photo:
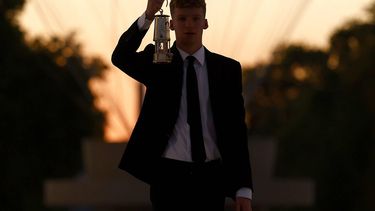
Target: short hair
[{"x": 187, "y": 4}]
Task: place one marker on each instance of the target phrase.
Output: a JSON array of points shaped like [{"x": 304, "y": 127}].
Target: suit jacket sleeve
[
  {"x": 245, "y": 177},
  {"x": 126, "y": 57},
  {"x": 239, "y": 167}
]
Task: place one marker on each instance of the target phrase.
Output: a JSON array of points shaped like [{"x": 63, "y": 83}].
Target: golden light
[
  {"x": 353, "y": 43},
  {"x": 60, "y": 61},
  {"x": 67, "y": 52},
  {"x": 53, "y": 47},
  {"x": 300, "y": 73},
  {"x": 333, "y": 62}
]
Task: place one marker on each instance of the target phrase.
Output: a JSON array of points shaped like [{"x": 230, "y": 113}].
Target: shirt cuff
[
  {"x": 143, "y": 23},
  {"x": 245, "y": 193}
]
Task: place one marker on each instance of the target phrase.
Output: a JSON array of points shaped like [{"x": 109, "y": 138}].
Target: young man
[{"x": 190, "y": 140}]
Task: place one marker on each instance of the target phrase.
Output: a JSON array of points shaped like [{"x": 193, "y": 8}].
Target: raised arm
[{"x": 125, "y": 55}]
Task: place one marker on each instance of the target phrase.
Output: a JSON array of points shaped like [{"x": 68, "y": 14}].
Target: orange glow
[
  {"x": 333, "y": 62},
  {"x": 300, "y": 73},
  {"x": 68, "y": 52},
  {"x": 244, "y": 30},
  {"x": 61, "y": 61}
]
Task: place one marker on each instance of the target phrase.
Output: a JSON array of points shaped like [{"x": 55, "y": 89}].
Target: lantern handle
[{"x": 161, "y": 10}]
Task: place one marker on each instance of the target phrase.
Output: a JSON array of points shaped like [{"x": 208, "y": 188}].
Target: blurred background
[{"x": 308, "y": 71}]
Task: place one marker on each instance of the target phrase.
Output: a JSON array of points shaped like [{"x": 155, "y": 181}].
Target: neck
[{"x": 190, "y": 49}]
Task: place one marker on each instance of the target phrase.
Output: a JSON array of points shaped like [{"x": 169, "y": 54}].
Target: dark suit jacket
[{"x": 161, "y": 105}]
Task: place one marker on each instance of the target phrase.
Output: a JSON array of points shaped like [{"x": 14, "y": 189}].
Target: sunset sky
[{"x": 246, "y": 30}]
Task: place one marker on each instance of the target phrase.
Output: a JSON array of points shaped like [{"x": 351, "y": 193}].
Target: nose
[{"x": 189, "y": 23}]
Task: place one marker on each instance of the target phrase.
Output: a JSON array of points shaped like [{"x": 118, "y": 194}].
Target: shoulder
[
  {"x": 221, "y": 59},
  {"x": 226, "y": 66}
]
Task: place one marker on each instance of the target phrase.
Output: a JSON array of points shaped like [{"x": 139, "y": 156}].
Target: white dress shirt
[{"x": 178, "y": 147}]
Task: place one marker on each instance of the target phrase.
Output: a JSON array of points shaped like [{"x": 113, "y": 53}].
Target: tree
[
  {"x": 321, "y": 106},
  {"x": 371, "y": 12},
  {"x": 46, "y": 109},
  {"x": 293, "y": 71}
]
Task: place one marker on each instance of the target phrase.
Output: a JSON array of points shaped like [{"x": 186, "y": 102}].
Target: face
[{"x": 188, "y": 24}]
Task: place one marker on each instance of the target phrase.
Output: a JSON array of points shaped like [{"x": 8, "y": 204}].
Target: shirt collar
[{"x": 199, "y": 55}]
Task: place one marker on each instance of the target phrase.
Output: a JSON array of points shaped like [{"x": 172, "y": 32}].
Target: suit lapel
[
  {"x": 177, "y": 67},
  {"x": 176, "y": 59},
  {"x": 213, "y": 72}
]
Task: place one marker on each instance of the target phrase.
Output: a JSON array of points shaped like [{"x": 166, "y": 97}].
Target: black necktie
[{"x": 198, "y": 152}]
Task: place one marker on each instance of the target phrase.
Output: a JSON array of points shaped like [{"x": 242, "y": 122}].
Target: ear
[
  {"x": 205, "y": 24},
  {"x": 171, "y": 26}
]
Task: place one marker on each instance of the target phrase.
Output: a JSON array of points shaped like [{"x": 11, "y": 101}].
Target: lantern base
[{"x": 162, "y": 58}]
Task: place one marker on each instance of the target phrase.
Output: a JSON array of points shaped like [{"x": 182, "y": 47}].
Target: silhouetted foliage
[
  {"x": 293, "y": 71},
  {"x": 46, "y": 110},
  {"x": 371, "y": 12},
  {"x": 320, "y": 104}
]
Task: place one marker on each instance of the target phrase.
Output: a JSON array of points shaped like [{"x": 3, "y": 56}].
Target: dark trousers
[{"x": 183, "y": 186}]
